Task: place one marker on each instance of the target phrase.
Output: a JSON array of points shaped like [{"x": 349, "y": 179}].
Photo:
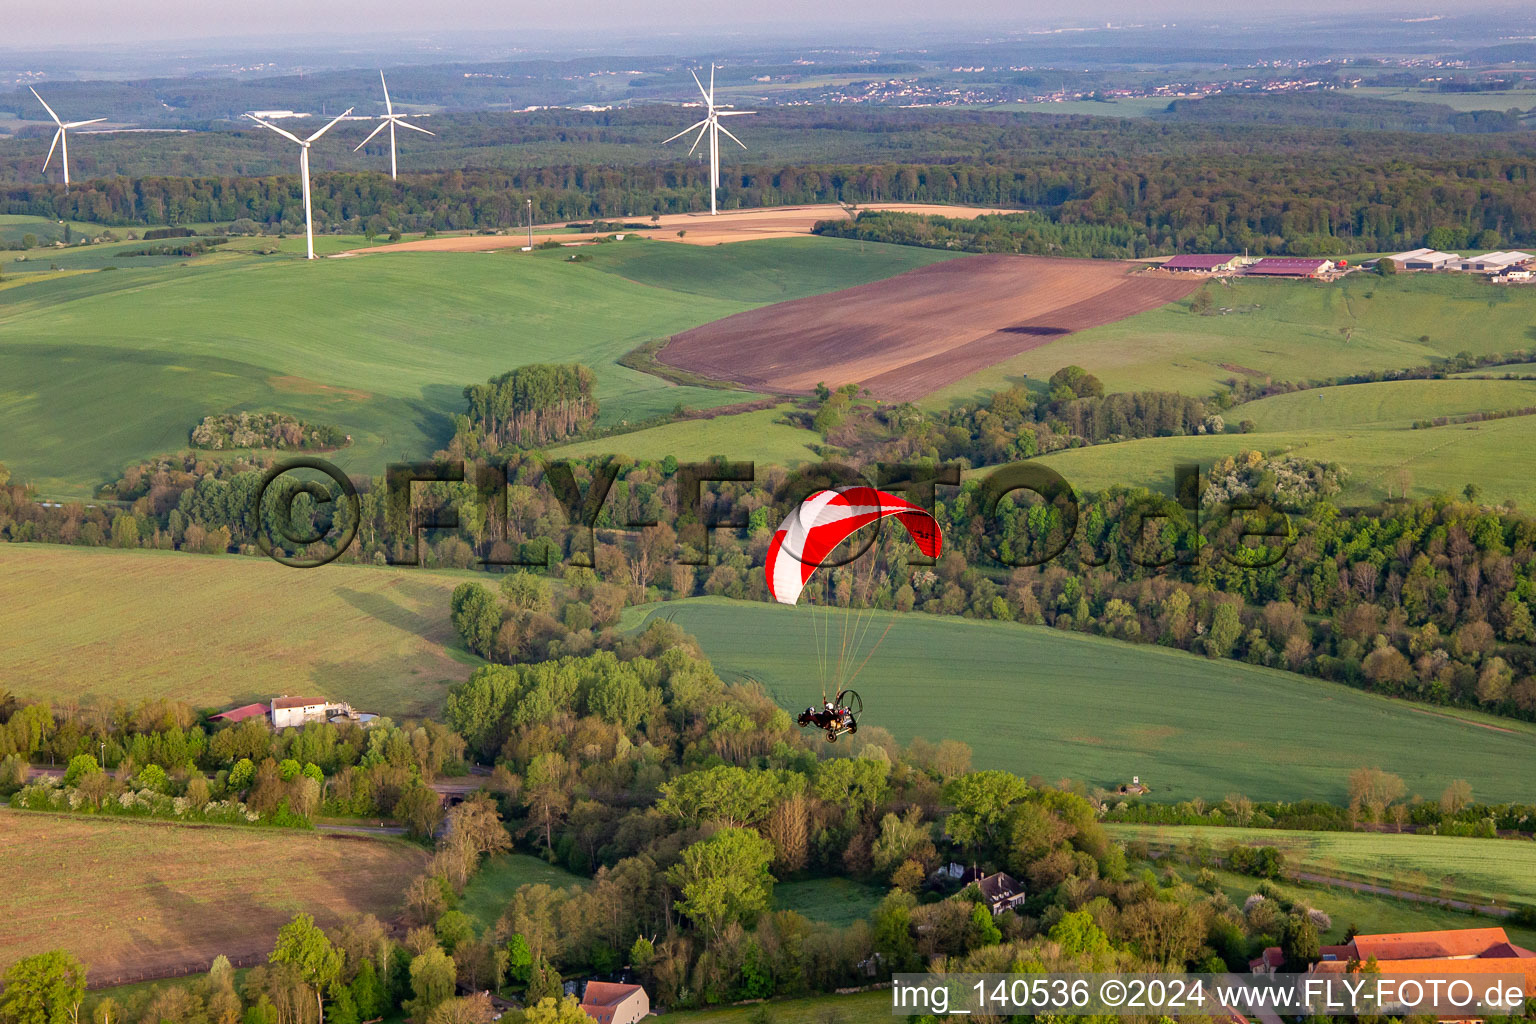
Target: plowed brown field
[
  {"x": 698, "y": 228},
  {"x": 914, "y": 333},
  {"x": 137, "y": 899}
]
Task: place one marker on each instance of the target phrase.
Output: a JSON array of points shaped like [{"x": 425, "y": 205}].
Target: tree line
[{"x": 1188, "y": 188}]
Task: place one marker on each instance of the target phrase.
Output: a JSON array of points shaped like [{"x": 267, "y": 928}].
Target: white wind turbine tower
[
  {"x": 712, "y": 125},
  {"x": 390, "y": 119},
  {"x": 309, "y": 221},
  {"x": 60, "y": 136}
]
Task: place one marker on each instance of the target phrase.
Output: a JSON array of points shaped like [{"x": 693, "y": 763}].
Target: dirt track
[
  {"x": 919, "y": 331},
  {"x": 700, "y": 228}
]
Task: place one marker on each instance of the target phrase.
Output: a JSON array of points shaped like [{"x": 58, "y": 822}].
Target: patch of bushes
[{"x": 265, "y": 430}]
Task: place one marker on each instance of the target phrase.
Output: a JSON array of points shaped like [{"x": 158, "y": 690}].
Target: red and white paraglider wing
[{"x": 827, "y": 518}]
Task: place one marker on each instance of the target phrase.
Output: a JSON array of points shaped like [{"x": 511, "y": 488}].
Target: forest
[{"x": 1143, "y": 189}]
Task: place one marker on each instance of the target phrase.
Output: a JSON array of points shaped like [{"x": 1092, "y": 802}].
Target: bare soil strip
[
  {"x": 698, "y": 228},
  {"x": 912, "y": 334}
]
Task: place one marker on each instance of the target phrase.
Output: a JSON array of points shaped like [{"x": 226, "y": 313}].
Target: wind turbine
[
  {"x": 390, "y": 119},
  {"x": 711, "y": 124},
  {"x": 309, "y": 221},
  {"x": 60, "y": 136}
]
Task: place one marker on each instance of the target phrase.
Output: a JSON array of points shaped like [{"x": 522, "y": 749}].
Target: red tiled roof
[
  {"x": 607, "y": 993},
  {"x": 1272, "y": 957},
  {"x": 1453, "y": 942},
  {"x": 601, "y": 1000},
  {"x": 298, "y": 702},
  {"x": 1443, "y": 967},
  {"x": 239, "y": 714},
  {"x": 1199, "y": 261}
]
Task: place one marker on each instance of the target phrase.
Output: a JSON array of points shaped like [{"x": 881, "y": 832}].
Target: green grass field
[
  {"x": 1288, "y": 330},
  {"x": 1438, "y": 460},
  {"x": 1364, "y": 912},
  {"x": 834, "y": 901},
  {"x": 855, "y": 1008},
  {"x": 1387, "y": 404},
  {"x": 1502, "y": 870},
  {"x": 381, "y": 346},
  {"x": 214, "y": 631},
  {"x": 487, "y": 894},
  {"x": 1042, "y": 702},
  {"x": 1521, "y": 99}
]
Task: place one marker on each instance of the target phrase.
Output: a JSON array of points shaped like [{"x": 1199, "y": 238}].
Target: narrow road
[
  {"x": 1371, "y": 889},
  {"x": 1464, "y": 906}
]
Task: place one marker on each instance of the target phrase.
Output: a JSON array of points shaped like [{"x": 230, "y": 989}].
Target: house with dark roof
[
  {"x": 610, "y": 1003},
  {"x": 1000, "y": 891}
]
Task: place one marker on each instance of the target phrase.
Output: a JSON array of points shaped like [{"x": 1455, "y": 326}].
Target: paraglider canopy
[{"x": 827, "y": 518}]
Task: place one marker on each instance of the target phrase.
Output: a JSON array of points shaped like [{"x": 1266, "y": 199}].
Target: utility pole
[{"x": 530, "y": 223}]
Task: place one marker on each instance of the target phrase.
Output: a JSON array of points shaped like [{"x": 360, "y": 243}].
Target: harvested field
[
  {"x": 701, "y": 228},
  {"x": 165, "y": 899},
  {"x": 914, "y": 333}
]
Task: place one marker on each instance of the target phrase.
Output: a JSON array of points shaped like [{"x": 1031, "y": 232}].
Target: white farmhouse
[{"x": 292, "y": 711}]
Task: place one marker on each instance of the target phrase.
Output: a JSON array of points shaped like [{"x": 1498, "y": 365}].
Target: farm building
[
  {"x": 1493, "y": 262},
  {"x": 1203, "y": 263},
  {"x": 1290, "y": 266},
  {"x": 291, "y": 711},
  {"x": 608, "y": 1003},
  {"x": 284, "y": 712},
  {"x": 239, "y": 714},
  {"x": 1451, "y": 953},
  {"x": 1424, "y": 259}
]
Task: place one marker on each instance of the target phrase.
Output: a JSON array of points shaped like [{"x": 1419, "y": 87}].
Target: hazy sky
[{"x": 93, "y": 22}]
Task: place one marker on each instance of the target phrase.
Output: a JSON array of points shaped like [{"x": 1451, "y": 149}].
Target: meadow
[
  {"x": 1502, "y": 870},
  {"x": 165, "y": 897},
  {"x": 381, "y": 346},
  {"x": 1053, "y": 704},
  {"x": 1437, "y": 460},
  {"x": 854, "y": 1008},
  {"x": 833, "y": 901},
  {"x": 1361, "y": 911},
  {"x": 488, "y": 893},
  {"x": 1287, "y": 330},
  {"x": 98, "y": 624}
]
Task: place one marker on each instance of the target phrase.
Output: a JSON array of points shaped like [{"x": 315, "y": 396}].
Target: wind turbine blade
[
  {"x": 733, "y": 113},
  {"x": 389, "y": 107},
  {"x": 77, "y": 124},
  {"x": 267, "y": 124},
  {"x": 46, "y": 107},
  {"x": 403, "y": 123},
  {"x": 685, "y": 131},
  {"x": 328, "y": 127},
  {"x": 707, "y": 99},
  {"x": 52, "y": 148},
  {"x": 383, "y": 123},
  {"x": 728, "y": 135},
  {"x": 704, "y": 128}
]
